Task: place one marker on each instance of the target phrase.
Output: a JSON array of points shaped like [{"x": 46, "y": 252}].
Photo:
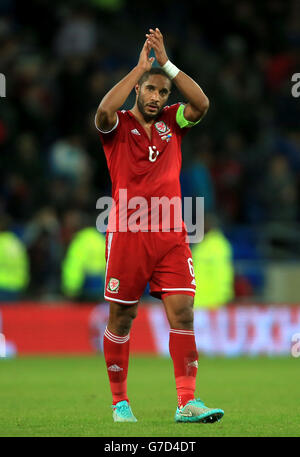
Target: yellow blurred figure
[
  {"x": 83, "y": 269},
  {"x": 213, "y": 266},
  {"x": 14, "y": 267}
]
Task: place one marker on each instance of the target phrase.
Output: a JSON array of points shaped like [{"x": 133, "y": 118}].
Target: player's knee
[
  {"x": 124, "y": 325},
  {"x": 183, "y": 316},
  {"x": 121, "y": 324},
  {"x": 127, "y": 318},
  {"x": 121, "y": 318}
]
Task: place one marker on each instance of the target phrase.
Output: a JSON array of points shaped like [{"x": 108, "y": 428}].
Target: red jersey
[{"x": 144, "y": 168}]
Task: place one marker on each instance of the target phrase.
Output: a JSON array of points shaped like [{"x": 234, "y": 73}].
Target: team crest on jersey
[
  {"x": 161, "y": 126},
  {"x": 163, "y": 131},
  {"x": 113, "y": 285}
]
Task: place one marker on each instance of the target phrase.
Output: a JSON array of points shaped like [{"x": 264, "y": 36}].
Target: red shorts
[{"x": 163, "y": 259}]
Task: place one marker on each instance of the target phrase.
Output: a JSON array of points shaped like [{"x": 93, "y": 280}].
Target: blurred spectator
[
  {"x": 213, "y": 266},
  {"x": 14, "y": 266},
  {"x": 196, "y": 180},
  {"x": 280, "y": 67},
  {"x": 109, "y": 5},
  {"x": 289, "y": 146},
  {"x": 278, "y": 191},
  {"x": 77, "y": 35},
  {"x": 69, "y": 160},
  {"x": 227, "y": 174},
  {"x": 42, "y": 238},
  {"x": 33, "y": 91},
  {"x": 71, "y": 222},
  {"x": 83, "y": 268},
  {"x": 27, "y": 159},
  {"x": 73, "y": 94}
]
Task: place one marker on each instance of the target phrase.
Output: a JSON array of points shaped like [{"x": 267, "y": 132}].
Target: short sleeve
[
  {"x": 107, "y": 131},
  {"x": 110, "y": 135}
]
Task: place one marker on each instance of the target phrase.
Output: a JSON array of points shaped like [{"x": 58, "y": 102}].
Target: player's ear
[{"x": 137, "y": 89}]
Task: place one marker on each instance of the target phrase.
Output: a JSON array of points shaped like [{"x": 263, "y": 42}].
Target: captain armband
[{"x": 182, "y": 121}]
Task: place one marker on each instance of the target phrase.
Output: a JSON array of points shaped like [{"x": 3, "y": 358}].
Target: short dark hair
[{"x": 153, "y": 71}]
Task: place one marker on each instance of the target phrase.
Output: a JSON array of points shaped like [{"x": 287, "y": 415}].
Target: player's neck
[{"x": 138, "y": 115}]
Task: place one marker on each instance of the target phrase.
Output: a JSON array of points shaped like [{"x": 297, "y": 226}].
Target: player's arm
[
  {"x": 198, "y": 102},
  {"x": 106, "y": 116}
]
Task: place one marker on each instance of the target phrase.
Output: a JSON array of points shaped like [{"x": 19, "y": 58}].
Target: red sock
[
  {"x": 184, "y": 354},
  {"x": 116, "y": 354}
]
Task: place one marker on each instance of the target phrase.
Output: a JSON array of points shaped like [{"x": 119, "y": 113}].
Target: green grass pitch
[{"x": 70, "y": 397}]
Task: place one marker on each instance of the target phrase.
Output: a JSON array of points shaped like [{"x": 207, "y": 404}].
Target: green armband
[{"x": 180, "y": 119}]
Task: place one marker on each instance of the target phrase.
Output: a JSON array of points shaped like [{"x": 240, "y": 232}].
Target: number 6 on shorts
[{"x": 191, "y": 268}]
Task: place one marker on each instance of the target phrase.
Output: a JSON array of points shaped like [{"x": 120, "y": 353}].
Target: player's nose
[{"x": 155, "y": 96}]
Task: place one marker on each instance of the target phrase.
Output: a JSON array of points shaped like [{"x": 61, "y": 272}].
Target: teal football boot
[
  {"x": 122, "y": 412},
  {"x": 196, "y": 411}
]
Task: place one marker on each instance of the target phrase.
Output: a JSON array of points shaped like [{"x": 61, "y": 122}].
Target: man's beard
[{"x": 146, "y": 116}]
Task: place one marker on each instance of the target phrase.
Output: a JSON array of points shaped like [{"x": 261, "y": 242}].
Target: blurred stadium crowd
[{"x": 60, "y": 58}]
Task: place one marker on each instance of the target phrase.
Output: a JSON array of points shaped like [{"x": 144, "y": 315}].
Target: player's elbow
[
  {"x": 102, "y": 118},
  {"x": 204, "y": 106},
  {"x": 201, "y": 109},
  {"x": 102, "y": 113}
]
